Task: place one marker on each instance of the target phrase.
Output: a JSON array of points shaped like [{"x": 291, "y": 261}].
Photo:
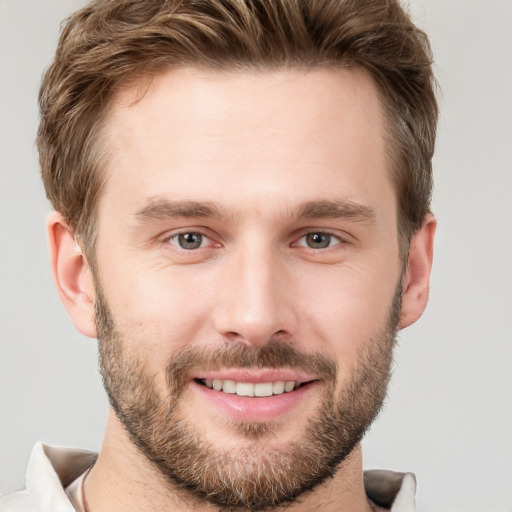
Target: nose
[{"x": 256, "y": 299}]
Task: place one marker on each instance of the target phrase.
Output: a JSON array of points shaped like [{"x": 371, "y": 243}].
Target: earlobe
[
  {"x": 72, "y": 275},
  {"x": 416, "y": 279}
]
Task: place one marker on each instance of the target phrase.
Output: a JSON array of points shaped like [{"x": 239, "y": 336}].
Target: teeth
[
  {"x": 229, "y": 386},
  {"x": 248, "y": 389},
  {"x": 263, "y": 389},
  {"x": 278, "y": 387},
  {"x": 288, "y": 386},
  {"x": 244, "y": 389}
]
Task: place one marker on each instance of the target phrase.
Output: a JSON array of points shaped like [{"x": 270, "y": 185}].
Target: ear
[
  {"x": 416, "y": 279},
  {"x": 72, "y": 275}
]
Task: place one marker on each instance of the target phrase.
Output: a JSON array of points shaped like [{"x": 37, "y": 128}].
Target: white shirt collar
[{"x": 52, "y": 469}]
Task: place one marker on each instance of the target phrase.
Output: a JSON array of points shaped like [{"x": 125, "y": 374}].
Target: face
[{"x": 247, "y": 276}]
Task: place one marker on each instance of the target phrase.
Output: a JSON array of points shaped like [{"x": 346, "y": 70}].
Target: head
[
  {"x": 111, "y": 44},
  {"x": 250, "y": 184}
]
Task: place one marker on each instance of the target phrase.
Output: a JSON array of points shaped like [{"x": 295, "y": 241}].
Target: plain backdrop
[{"x": 449, "y": 411}]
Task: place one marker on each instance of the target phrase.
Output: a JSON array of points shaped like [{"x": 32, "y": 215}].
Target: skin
[{"x": 257, "y": 146}]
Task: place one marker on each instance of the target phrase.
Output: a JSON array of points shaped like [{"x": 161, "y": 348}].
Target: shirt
[{"x": 51, "y": 470}]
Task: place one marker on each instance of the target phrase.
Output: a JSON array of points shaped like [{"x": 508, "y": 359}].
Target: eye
[
  {"x": 318, "y": 240},
  {"x": 189, "y": 241}
]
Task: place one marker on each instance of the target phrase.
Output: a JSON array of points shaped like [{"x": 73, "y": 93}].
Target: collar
[
  {"x": 52, "y": 469},
  {"x": 391, "y": 490}
]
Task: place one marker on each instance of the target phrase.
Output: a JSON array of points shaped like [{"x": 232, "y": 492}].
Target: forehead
[{"x": 251, "y": 133}]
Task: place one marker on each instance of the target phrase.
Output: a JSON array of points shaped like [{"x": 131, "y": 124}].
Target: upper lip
[{"x": 256, "y": 376}]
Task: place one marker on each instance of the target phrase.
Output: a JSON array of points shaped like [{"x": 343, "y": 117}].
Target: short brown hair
[{"x": 110, "y": 43}]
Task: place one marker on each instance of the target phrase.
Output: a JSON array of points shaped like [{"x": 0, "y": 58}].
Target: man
[{"x": 241, "y": 194}]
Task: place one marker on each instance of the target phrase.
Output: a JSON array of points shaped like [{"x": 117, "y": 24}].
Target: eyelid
[
  {"x": 166, "y": 238},
  {"x": 175, "y": 240},
  {"x": 343, "y": 238}
]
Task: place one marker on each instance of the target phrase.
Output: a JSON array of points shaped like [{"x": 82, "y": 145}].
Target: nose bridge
[{"x": 254, "y": 305}]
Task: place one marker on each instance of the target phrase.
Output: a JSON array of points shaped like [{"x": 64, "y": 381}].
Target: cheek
[
  {"x": 161, "y": 310},
  {"x": 346, "y": 308},
  {"x": 158, "y": 313}
]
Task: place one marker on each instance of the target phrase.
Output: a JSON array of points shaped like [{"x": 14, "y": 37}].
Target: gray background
[{"x": 449, "y": 413}]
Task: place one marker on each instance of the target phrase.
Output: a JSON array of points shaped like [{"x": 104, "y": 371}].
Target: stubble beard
[{"x": 250, "y": 477}]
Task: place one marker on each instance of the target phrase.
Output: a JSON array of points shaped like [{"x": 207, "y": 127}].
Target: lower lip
[{"x": 255, "y": 409}]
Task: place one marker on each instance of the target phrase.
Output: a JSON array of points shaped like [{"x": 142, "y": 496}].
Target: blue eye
[
  {"x": 318, "y": 240},
  {"x": 188, "y": 241}
]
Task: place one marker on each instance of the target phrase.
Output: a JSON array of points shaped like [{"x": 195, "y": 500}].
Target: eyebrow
[
  {"x": 159, "y": 208},
  {"x": 342, "y": 209}
]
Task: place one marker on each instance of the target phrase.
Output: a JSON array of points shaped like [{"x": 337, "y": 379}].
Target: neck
[{"x": 124, "y": 480}]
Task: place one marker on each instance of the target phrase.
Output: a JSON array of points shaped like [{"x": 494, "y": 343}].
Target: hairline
[{"x": 141, "y": 80}]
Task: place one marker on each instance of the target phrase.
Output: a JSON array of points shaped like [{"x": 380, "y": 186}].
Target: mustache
[{"x": 275, "y": 354}]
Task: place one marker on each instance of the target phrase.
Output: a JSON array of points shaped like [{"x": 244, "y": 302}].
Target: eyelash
[
  {"x": 176, "y": 236},
  {"x": 204, "y": 237}
]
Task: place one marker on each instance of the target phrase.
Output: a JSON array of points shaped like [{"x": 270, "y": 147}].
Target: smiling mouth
[{"x": 249, "y": 389}]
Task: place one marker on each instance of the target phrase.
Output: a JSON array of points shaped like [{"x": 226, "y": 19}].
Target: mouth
[
  {"x": 256, "y": 395},
  {"x": 250, "y": 389}
]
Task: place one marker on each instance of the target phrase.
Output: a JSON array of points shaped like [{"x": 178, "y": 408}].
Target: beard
[{"x": 249, "y": 477}]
